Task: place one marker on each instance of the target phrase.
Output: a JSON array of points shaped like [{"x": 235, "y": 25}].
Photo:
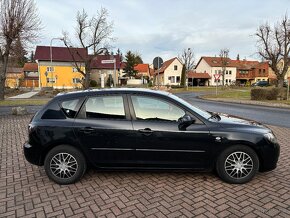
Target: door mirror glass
[{"x": 185, "y": 121}]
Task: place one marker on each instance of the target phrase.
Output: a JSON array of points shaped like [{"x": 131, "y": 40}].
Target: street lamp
[{"x": 57, "y": 38}]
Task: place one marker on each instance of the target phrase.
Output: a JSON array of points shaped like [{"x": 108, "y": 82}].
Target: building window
[
  {"x": 175, "y": 67},
  {"x": 230, "y": 72},
  {"x": 227, "y": 72},
  {"x": 215, "y": 72},
  {"x": 264, "y": 71},
  {"x": 50, "y": 69},
  {"x": 226, "y": 80},
  {"x": 230, "y": 80},
  {"x": 50, "y": 80},
  {"x": 178, "y": 79},
  {"x": 172, "y": 79},
  {"x": 76, "y": 80}
]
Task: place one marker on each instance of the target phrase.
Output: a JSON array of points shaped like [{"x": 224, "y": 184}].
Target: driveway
[{"x": 25, "y": 190}]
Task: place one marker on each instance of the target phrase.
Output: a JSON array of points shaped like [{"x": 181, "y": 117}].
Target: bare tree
[
  {"x": 18, "y": 21},
  {"x": 187, "y": 59},
  {"x": 274, "y": 46},
  {"x": 94, "y": 35},
  {"x": 224, "y": 55}
]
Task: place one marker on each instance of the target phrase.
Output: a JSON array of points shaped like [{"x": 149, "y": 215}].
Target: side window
[
  {"x": 105, "y": 107},
  {"x": 69, "y": 107},
  {"x": 149, "y": 108}
]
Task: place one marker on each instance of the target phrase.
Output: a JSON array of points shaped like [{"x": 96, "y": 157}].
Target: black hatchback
[{"x": 144, "y": 129}]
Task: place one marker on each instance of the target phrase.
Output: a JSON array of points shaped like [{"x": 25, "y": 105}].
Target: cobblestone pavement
[{"x": 25, "y": 190}]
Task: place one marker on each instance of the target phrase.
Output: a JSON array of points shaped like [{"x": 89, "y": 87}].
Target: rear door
[{"x": 104, "y": 128}]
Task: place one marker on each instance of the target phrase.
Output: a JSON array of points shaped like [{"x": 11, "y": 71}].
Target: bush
[
  {"x": 268, "y": 94},
  {"x": 93, "y": 83}
]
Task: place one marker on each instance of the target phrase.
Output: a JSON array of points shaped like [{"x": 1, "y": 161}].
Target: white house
[
  {"x": 213, "y": 65},
  {"x": 169, "y": 73}
]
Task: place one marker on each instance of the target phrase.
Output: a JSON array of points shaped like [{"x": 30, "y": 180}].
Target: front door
[{"x": 160, "y": 143}]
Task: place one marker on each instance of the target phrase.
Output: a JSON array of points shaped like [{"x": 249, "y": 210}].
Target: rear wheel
[
  {"x": 65, "y": 164},
  {"x": 237, "y": 164}
]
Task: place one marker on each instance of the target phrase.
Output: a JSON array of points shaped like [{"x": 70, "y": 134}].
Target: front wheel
[
  {"x": 237, "y": 164},
  {"x": 65, "y": 164}
]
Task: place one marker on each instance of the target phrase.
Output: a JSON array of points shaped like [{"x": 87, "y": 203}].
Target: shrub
[
  {"x": 268, "y": 94},
  {"x": 93, "y": 83}
]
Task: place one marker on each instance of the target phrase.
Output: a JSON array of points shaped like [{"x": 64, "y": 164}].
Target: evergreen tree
[
  {"x": 183, "y": 76},
  {"x": 131, "y": 62}
]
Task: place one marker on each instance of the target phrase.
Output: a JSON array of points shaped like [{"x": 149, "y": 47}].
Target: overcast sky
[{"x": 165, "y": 27}]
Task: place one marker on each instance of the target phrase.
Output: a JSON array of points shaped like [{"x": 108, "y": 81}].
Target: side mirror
[{"x": 185, "y": 121}]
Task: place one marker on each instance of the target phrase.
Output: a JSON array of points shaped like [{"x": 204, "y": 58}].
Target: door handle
[
  {"x": 146, "y": 131},
  {"x": 87, "y": 130}
]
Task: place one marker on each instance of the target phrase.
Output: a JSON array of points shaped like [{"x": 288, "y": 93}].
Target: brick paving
[{"x": 25, "y": 190}]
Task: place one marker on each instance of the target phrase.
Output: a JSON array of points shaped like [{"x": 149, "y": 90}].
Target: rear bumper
[{"x": 32, "y": 154}]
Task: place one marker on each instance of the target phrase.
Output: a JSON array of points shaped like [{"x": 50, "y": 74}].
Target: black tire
[
  {"x": 237, "y": 164},
  {"x": 65, "y": 164}
]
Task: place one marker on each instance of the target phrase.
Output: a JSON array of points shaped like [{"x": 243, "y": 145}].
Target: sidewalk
[{"x": 24, "y": 95}]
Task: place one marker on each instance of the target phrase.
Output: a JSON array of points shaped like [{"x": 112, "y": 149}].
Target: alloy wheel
[
  {"x": 63, "y": 165},
  {"x": 238, "y": 165}
]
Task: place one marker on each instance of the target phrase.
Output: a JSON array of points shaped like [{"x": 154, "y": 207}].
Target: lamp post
[{"x": 57, "y": 38}]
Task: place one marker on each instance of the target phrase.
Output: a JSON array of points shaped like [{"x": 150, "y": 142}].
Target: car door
[
  {"x": 104, "y": 128},
  {"x": 159, "y": 142}
]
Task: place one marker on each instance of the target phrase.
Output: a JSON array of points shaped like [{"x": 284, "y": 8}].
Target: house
[
  {"x": 236, "y": 71},
  {"x": 14, "y": 76},
  {"x": 56, "y": 66},
  {"x": 213, "y": 65},
  {"x": 99, "y": 68},
  {"x": 169, "y": 73},
  {"x": 249, "y": 72},
  {"x": 143, "y": 70},
  {"x": 31, "y": 75}
]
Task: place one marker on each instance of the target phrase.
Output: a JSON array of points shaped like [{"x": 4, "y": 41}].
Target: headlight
[{"x": 270, "y": 138}]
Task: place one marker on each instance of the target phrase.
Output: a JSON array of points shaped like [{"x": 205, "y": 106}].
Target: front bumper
[
  {"x": 270, "y": 156},
  {"x": 32, "y": 154}
]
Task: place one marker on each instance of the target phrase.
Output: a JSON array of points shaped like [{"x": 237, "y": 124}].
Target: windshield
[{"x": 197, "y": 110}]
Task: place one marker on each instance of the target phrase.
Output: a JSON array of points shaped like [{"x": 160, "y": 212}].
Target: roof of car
[{"x": 111, "y": 90}]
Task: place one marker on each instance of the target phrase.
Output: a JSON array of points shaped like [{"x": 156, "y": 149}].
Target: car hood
[{"x": 227, "y": 120}]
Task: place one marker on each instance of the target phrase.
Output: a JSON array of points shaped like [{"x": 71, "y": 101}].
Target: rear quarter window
[{"x": 61, "y": 110}]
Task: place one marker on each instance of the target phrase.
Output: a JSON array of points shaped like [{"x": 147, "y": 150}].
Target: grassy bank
[{"x": 23, "y": 102}]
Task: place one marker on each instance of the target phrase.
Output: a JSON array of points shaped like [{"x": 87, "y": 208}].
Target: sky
[{"x": 165, "y": 28}]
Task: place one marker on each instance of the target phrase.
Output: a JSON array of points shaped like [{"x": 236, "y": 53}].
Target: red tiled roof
[
  {"x": 97, "y": 62},
  {"x": 42, "y": 53},
  {"x": 239, "y": 64},
  {"x": 142, "y": 68},
  {"x": 30, "y": 67},
  {"x": 196, "y": 75}
]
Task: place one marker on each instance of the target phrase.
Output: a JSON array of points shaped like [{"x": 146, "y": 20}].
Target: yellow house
[
  {"x": 57, "y": 69},
  {"x": 14, "y": 76}
]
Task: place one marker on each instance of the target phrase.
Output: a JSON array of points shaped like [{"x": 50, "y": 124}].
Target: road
[{"x": 265, "y": 115}]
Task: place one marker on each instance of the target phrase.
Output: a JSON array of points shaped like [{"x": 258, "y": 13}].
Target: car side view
[{"x": 144, "y": 129}]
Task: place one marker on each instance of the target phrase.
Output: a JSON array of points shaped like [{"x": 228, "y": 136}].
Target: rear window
[{"x": 105, "y": 107}]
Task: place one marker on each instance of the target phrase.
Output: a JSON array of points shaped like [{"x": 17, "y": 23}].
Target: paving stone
[{"x": 25, "y": 190}]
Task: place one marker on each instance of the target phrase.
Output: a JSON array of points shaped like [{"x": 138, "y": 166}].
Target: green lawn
[
  {"x": 23, "y": 102},
  {"x": 237, "y": 94}
]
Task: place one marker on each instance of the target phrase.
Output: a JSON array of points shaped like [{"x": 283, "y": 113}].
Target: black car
[
  {"x": 144, "y": 129},
  {"x": 261, "y": 84}
]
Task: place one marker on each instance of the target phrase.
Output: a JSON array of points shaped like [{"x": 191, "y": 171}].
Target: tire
[
  {"x": 237, "y": 164},
  {"x": 65, "y": 164}
]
